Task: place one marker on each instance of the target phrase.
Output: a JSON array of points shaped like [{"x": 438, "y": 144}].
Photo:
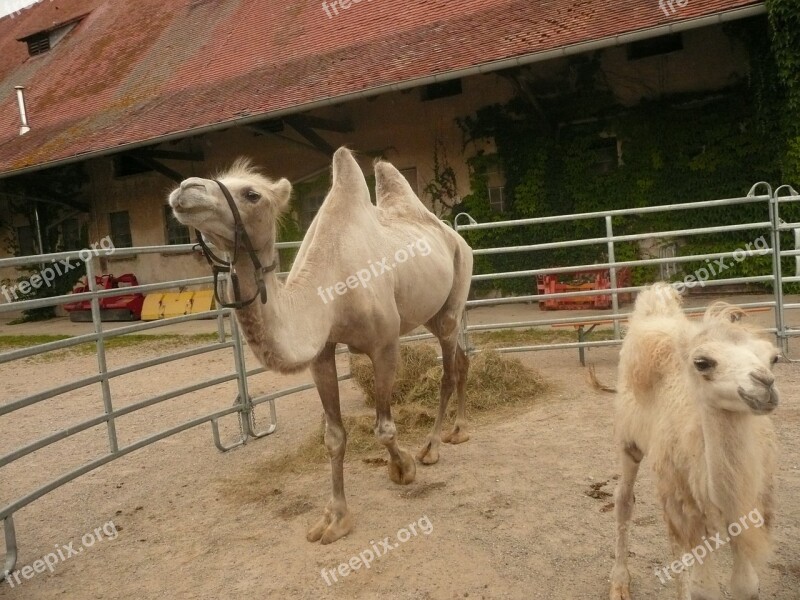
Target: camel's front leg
[
  {"x": 744, "y": 580},
  {"x": 402, "y": 467},
  {"x": 704, "y": 584},
  {"x": 630, "y": 457},
  {"x": 337, "y": 521}
]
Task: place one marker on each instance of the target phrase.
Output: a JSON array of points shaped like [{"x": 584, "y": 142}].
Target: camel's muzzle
[
  {"x": 763, "y": 403},
  {"x": 219, "y": 265}
]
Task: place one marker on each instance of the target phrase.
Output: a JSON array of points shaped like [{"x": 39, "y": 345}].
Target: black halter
[{"x": 222, "y": 266}]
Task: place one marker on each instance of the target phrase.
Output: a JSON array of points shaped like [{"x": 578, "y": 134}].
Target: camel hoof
[
  {"x": 428, "y": 455},
  {"x": 404, "y": 470},
  {"x": 620, "y": 591},
  {"x": 459, "y": 435},
  {"x": 329, "y": 529}
]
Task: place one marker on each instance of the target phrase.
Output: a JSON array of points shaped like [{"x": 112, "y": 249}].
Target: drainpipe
[{"x": 23, "y": 114}]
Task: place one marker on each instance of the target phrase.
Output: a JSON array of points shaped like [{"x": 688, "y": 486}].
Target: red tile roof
[{"x": 135, "y": 71}]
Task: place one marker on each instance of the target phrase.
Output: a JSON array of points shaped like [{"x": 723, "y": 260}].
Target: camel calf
[{"x": 693, "y": 396}]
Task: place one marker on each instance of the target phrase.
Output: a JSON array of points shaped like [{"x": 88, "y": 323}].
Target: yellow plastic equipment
[
  {"x": 177, "y": 304},
  {"x": 153, "y": 308},
  {"x": 202, "y": 301}
]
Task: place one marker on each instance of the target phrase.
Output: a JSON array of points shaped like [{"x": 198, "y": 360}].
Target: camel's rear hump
[
  {"x": 658, "y": 300},
  {"x": 394, "y": 193}
]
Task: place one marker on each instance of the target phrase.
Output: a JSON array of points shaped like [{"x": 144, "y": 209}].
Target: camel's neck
[
  {"x": 732, "y": 459},
  {"x": 291, "y": 329}
]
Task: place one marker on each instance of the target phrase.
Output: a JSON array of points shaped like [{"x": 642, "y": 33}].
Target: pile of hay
[
  {"x": 497, "y": 386},
  {"x": 494, "y": 381}
]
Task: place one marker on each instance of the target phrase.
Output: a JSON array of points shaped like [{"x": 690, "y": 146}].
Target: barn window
[
  {"x": 497, "y": 188},
  {"x": 25, "y": 242},
  {"x": 120, "y": 226},
  {"x": 177, "y": 232}
]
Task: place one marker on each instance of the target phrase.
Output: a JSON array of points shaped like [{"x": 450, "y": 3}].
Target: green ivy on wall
[{"x": 678, "y": 149}]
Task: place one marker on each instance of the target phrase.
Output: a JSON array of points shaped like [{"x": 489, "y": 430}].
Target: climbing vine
[{"x": 678, "y": 149}]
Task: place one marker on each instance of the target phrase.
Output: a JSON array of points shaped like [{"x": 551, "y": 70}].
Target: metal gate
[{"x": 772, "y": 226}]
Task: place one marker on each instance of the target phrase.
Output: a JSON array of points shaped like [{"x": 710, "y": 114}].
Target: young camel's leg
[
  {"x": 704, "y": 584},
  {"x": 744, "y": 580},
  {"x": 459, "y": 433},
  {"x": 682, "y": 576},
  {"x": 429, "y": 454},
  {"x": 337, "y": 521},
  {"x": 402, "y": 467},
  {"x": 630, "y": 458}
]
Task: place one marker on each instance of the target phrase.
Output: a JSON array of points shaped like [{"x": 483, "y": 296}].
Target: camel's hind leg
[
  {"x": 402, "y": 468},
  {"x": 455, "y": 364},
  {"x": 429, "y": 453},
  {"x": 337, "y": 521},
  {"x": 459, "y": 432},
  {"x": 630, "y": 457}
]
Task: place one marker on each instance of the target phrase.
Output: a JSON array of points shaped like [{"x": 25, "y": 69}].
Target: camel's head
[
  {"x": 200, "y": 203},
  {"x": 731, "y": 363}
]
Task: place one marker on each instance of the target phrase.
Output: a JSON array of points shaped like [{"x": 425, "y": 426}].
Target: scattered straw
[{"x": 497, "y": 387}]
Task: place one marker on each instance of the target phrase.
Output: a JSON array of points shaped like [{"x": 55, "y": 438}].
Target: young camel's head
[
  {"x": 200, "y": 203},
  {"x": 731, "y": 364}
]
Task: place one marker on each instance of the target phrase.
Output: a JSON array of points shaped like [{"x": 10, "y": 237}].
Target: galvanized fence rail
[
  {"x": 771, "y": 227},
  {"x": 244, "y": 404}
]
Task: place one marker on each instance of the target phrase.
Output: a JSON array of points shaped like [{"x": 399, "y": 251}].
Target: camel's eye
[
  {"x": 704, "y": 364},
  {"x": 252, "y": 195}
]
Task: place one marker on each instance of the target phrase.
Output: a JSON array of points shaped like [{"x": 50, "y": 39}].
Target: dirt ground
[{"x": 518, "y": 512}]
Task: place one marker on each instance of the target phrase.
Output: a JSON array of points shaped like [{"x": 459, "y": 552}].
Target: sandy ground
[{"x": 510, "y": 514}]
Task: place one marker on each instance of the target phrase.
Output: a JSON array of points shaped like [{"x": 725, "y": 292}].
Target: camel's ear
[{"x": 282, "y": 190}]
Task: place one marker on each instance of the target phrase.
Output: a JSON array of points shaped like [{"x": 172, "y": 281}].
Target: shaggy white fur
[{"x": 693, "y": 397}]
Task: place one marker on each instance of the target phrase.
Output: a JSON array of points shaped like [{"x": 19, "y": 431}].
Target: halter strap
[{"x": 219, "y": 265}]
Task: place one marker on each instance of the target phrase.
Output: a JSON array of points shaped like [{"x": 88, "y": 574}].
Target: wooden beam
[
  {"x": 312, "y": 136},
  {"x": 156, "y": 166}
]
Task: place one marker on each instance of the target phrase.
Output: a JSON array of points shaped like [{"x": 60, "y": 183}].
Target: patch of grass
[
  {"x": 25, "y": 341},
  {"x": 498, "y": 387},
  {"x": 159, "y": 341},
  {"x": 519, "y": 337}
]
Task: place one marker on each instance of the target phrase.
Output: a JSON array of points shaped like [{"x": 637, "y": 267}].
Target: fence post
[
  {"x": 101, "y": 358},
  {"x": 463, "y": 336},
  {"x": 612, "y": 272},
  {"x": 777, "y": 275},
  {"x": 11, "y": 547}
]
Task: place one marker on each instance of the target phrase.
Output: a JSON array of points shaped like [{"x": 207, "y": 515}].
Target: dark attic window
[
  {"x": 42, "y": 41},
  {"x": 38, "y": 43}
]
